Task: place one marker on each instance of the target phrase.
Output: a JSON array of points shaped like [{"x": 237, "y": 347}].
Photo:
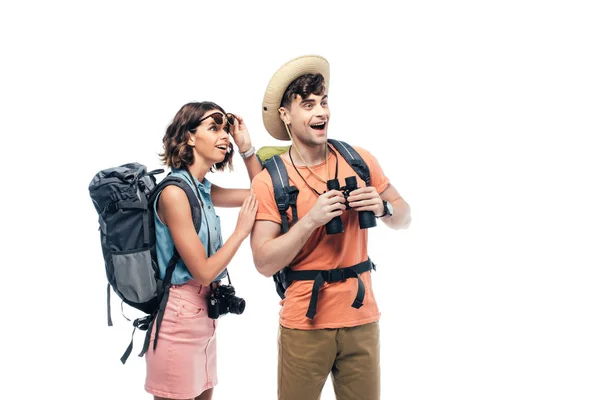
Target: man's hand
[
  {"x": 366, "y": 199},
  {"x": 328, "y": 206}
]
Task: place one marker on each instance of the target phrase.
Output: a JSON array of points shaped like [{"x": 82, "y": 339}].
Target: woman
[{"x": 183, "y": 365}]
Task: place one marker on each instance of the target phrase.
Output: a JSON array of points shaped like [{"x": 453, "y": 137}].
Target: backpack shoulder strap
[
  {"x": 182, "y": 184},
  {"x": 197, "y": 219},
  {"x": 285, "y": 195},
  {"x": 354, "y": 159}
]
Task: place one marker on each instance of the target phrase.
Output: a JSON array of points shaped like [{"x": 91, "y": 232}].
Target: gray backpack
[{"x": 124, "y": 197}]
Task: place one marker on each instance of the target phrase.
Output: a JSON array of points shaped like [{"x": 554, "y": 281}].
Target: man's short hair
[{"x": 304, "y": 86}]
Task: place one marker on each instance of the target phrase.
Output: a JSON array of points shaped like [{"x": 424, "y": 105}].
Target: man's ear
[{"x": 284, "y": 115}]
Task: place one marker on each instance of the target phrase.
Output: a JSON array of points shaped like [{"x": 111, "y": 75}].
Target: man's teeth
[{"x": 321, "y": 125}]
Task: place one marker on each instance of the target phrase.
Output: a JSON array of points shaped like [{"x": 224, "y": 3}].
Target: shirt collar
[{"x": 203, "y": 186}]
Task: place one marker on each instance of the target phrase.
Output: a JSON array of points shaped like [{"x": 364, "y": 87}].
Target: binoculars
[{"x": 366, "y": 219}]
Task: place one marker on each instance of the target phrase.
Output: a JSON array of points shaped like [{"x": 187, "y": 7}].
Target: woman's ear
[
  {"x": 284, "y": 115},
  {"x": 191, "y": 139}
]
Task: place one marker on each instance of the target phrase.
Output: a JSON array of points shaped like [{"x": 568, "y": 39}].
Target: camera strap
[{"x": 207, "y": 227}]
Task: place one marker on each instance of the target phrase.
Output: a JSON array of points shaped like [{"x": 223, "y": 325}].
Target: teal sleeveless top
[{"x": 164, "y": 241}]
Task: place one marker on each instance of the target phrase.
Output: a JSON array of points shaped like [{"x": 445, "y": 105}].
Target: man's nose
[{"x": 320, "y": 110}]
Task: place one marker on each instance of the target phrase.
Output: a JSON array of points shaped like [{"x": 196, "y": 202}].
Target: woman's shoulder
[{"x": 172, "y": 195}]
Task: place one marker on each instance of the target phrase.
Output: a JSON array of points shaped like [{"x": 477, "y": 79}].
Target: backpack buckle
[
  {"x": 143, "y": 323},
  {"x": 335, "y": 275},
  {"x": 293, "y": 193},
  {"x": 282, "y": 204}
]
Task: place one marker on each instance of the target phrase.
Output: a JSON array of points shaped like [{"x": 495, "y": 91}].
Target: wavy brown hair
[{"x": 176, "y": 152}]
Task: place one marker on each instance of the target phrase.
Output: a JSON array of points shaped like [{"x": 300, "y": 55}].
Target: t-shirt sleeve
[
  {"x": 378, "y": 178},
  {"x": 267, "y": 209}
]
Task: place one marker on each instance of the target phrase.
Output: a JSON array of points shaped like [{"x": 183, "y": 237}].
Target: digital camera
[{"x": 223, "y": 300}]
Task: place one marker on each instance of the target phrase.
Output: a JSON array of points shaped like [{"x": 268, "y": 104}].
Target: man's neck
[{"x": 312, "y": 155}]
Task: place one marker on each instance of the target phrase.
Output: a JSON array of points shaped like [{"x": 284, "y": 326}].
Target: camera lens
[{"x": 237, "y": 305}]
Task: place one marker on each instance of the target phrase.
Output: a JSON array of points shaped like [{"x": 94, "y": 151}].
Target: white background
[{"x": 484, "y": 115}]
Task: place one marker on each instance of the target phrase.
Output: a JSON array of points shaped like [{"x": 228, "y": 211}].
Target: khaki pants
[{"x": 306, "y": 357}]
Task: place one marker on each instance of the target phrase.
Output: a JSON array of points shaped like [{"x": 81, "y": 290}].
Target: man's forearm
[
  {"x": 401, "y": 217},
  {"x": 274, "y": 254}
]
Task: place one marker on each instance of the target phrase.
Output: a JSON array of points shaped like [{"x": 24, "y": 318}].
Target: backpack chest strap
[{"x": 331, "y": 275}]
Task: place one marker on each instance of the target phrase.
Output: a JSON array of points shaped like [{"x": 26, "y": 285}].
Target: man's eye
[
  {"x": 324, "y": 104},
  {"x": 308, "y": 106}
]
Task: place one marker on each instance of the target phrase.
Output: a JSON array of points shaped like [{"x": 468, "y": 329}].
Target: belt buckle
[{"x": 338, "y": 275}]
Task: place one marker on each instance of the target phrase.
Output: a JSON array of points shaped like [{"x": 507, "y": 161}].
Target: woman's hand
[
  {"x": 247, "y": 216},
  {"x": 240, "y": 135}
]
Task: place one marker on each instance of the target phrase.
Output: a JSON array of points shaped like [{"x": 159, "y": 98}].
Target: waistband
[
  {"x": 331, "y": 275},
  {"x": 193, "y": 287}
]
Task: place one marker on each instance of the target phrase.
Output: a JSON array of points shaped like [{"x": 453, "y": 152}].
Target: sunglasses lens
[
  {"x": 218, "y": 118},
  {"x": 231, "y": 119}
]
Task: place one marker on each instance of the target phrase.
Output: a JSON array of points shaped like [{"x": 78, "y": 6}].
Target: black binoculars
[{"x": 366, "y": 219}]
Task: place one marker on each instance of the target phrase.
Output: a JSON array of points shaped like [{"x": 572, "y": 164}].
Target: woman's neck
[{"x": 198, "y": 170}]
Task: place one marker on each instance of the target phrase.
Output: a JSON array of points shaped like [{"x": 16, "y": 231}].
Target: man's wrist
[
  {"x": 387, "y": 210},
  {"x": 308, "y": 224},
  {"x": 382, "y": 213}
]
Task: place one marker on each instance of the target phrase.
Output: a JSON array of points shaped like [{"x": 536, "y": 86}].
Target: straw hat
[{"x": 286, "y": 74}]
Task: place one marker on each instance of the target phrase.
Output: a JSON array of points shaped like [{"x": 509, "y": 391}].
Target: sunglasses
[{"x": 218, "y": 118}]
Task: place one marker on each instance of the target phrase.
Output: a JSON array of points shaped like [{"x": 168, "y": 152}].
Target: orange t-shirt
[{"x": 323, "y": 251}]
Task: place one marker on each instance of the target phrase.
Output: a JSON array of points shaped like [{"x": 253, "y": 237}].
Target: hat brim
[{"x": 280, "y": 81}]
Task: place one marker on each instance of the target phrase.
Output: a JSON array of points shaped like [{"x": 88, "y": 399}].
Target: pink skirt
[{"x": 184, "y": 363}]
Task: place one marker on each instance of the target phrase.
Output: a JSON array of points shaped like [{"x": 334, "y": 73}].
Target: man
[{"x": 341, "y": 334}]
